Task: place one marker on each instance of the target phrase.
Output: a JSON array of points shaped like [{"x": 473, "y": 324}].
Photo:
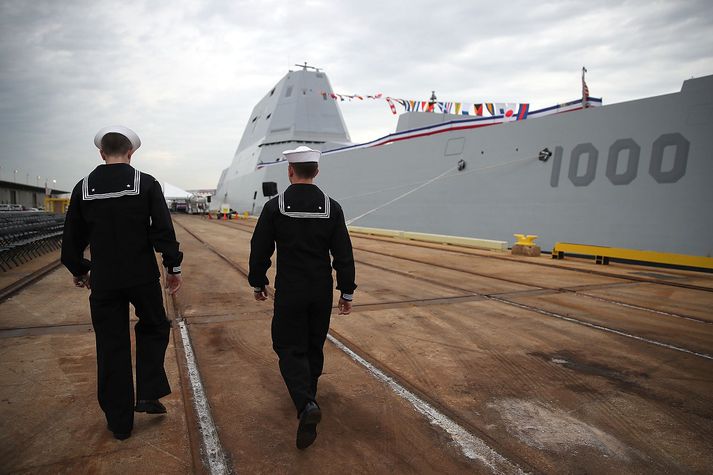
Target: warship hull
[{"x": 637, "y": 175}]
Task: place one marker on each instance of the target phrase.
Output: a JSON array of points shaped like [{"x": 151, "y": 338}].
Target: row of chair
[{"x": 26, "y": 235}]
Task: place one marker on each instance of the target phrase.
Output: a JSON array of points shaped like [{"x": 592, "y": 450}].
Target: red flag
[
  {"x": 391, "y": 105},
  {"x": 585, "y": 90}
]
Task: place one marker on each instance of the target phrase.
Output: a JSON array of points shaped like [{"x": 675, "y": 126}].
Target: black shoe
[
  {"x": 151, "y": 406},
  {"x": 307, "y": 429},
  {"x": 119, "y": 435}
]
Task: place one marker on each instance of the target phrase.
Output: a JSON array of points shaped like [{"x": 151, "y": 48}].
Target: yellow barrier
[
  {"x": 603, "y": 254},
  {"x": 436, "y": 238},
  {"x": 56, "y": 205},
  {"x": 377, "y": 231}
]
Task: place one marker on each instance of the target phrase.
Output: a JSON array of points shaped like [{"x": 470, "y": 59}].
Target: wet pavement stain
[
  {"x": 631, "y": 382},
  {"x": 622, "y": 379}
]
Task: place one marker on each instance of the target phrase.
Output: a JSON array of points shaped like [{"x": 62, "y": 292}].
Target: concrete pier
[{"x": 454, "y": 360}]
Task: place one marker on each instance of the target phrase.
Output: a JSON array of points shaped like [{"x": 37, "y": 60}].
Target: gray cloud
[{"x": 186, "y": 74}]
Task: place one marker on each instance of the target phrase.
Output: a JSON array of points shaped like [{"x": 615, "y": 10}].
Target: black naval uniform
[
  {"x": 122, "y": 215},
  {"x": 306, "y": 225}
]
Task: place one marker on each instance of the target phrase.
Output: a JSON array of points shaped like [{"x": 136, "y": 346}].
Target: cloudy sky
[{"x": 185, "y": 74}]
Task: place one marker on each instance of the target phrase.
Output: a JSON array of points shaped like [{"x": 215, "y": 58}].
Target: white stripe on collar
[
  {"x": 304, "y": 214},
  {"x": 87, "y": 195}
]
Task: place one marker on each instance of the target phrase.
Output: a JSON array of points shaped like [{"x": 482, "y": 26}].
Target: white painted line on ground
[
  {"x": 472, "y": 447},
  {"x": 213, "y": 451},
  {"x": 646, "y": 309},
  {"x": 603, "y": 328}
]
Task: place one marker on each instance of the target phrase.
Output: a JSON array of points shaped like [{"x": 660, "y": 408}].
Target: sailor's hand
[
  {"x": 173, "y": 283},
  {"x": 261, "y": 294},
  {"x": 345, "y": 306},
  {"x": 82, "y": 280}
]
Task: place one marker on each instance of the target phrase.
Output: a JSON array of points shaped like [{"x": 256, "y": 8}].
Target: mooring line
[
  {"x": 470, "y": 445},
  {"x": 402, "y": 195}
]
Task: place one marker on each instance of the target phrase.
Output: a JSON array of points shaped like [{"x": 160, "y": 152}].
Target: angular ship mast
[{"x": 294, "y": 112}]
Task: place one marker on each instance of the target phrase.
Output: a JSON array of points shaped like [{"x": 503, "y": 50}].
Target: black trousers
[
  {"x": 299, "y": 327},
  {"x": 115, "y": 382}
]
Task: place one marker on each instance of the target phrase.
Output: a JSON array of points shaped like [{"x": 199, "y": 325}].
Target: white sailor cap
[
  {"x": 118, "y": 129},
  {"x": 302, "y": 154}
]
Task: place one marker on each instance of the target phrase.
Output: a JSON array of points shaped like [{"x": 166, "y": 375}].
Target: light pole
[
  {"x": 14, "y": 177},
  {"x": 27, "y": 179},
  {"x": 38, "y": 181}
]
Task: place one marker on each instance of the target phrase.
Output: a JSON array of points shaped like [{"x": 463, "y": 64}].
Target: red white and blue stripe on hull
[{"x": 472, "y": 123}]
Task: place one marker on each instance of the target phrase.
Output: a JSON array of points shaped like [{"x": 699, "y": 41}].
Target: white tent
[{"x": 172, "y": 192}]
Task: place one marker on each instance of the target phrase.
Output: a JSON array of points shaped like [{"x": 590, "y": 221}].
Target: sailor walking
[
  {"x": 307, "y": 226},
  {"x": 121, "y": 214}
]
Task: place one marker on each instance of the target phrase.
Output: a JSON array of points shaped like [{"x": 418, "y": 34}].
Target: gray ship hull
[{"x": 637, "y": 175}]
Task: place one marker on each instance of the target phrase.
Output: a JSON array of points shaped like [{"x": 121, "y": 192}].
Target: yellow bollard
[
  {"x": 525, "y": 245},
  {"x": 525, "y": 239}
]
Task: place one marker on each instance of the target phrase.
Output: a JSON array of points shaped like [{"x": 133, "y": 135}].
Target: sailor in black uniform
[
  {"x": 121, "y": 214},
  {"x": 307, "y": 226}
]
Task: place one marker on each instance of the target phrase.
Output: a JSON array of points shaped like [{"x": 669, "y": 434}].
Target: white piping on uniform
[
  {"x": 470, "y": 445},
  {"x": 304, "y": 214},
  {"x": 217, "y": 462},
  {"x": 114, "y": 194}
]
